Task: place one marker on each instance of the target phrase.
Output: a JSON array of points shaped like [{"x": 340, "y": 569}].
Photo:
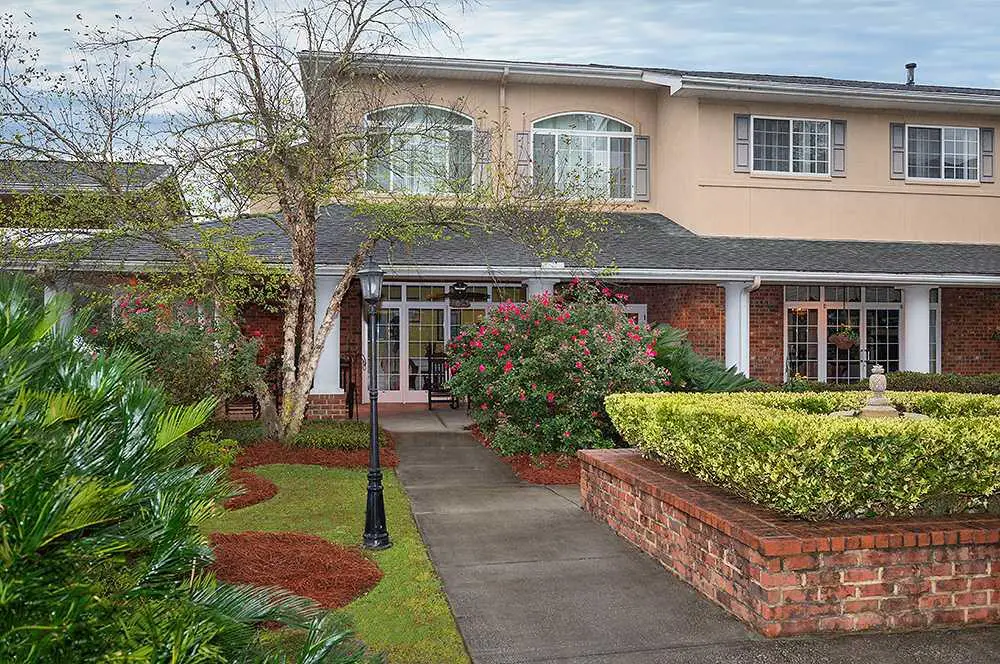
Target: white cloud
[{"x": 868, "y": 39}]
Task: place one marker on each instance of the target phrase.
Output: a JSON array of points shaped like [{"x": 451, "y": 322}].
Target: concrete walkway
[{"x": 532, "y": 578}]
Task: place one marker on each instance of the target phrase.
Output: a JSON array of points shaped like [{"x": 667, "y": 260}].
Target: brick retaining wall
[{"x": 787, "y": 576}]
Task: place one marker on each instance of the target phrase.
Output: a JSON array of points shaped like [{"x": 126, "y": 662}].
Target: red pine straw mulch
[
  {"x": 268, "y": 452},
  {"x": 306, "y": 565},
  {"x": 546, "y": 468},
  {"x": 259, "y": 489}
]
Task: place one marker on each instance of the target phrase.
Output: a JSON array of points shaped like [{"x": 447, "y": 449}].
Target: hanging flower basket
[{"x": 844, "y": 338}]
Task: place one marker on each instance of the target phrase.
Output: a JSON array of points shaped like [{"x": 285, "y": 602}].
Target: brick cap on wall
[{"x": 773, "y": 534}]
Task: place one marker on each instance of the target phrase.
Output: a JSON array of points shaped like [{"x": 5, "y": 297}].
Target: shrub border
[{"x": 787, "y": 576}]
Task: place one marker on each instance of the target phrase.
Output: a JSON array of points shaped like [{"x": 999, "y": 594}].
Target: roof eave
[{"x": 840, "y": 95}]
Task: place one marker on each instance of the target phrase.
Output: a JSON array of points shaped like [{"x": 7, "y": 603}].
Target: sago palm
[{"x": 101, "y": 558}]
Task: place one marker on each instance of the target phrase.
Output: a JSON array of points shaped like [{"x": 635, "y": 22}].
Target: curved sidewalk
[{"x": 532, "y": 578}]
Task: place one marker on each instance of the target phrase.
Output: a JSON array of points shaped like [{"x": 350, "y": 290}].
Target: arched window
[
  {"x": 419, "y": 150},
  {"x": 583, "y": 154}
]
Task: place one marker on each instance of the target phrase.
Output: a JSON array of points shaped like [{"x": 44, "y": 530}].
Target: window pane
[
  {"x": 960, "y": 149},
  {"x": 425, "y": 293},
  {"x": 843, "y": 293},
  {"x": 883, "y": 294},
  {"x": 771, "y": 141},
  {"x": 810, "y": 146},
  {"x": 583, "y": 122},
  {"x": 933, "y": 340},
  {"x": 802, "y": 293},
  {"x": 803, "y": 343},
  {"x": 621, "y": 168},
  {"x": 512, "y": 293},
  {"x": 583, "y": 164},
  {"x": 419, "y": 150},
  {"x": 923, "y": 152},
  {"x": 544, "y": 160}
]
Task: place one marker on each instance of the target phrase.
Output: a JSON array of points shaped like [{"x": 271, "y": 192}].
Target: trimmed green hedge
[
  {"x": 780, "y": 450},
  {"x": 325, "y": 434},
  {"x": 909, "y": 381}
]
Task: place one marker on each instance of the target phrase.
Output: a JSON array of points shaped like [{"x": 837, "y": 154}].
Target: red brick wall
[
  {"x": 326, "y": 407},
  {"x": 767, "y": 335},
  {"x": 267, "y": 326},
  {"x": 785, "y": 577},
  {"x": 351, "y": 345},
  {"x": 697, "y": 308},
  {"x": 969, "y": 317}
]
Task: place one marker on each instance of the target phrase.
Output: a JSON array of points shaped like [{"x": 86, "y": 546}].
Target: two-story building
[{"x": 768, "y": 216}]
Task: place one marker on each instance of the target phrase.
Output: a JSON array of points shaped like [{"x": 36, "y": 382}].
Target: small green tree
[{"x": 101, "y": 557}]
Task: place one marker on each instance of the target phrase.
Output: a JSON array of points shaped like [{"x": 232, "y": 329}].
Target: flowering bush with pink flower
[
  {"x": 537, "y": 372},
  {"x": 192, "y": 353}
]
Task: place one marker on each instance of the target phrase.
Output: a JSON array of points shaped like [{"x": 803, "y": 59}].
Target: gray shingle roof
[
  {"x": 634, "y": 241},
  {"x": 25, "y": 175}
]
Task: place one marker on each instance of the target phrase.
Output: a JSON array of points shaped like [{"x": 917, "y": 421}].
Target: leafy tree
[
  {"x": 101, "y": 558},
  {"x": 271, "y": 111}
]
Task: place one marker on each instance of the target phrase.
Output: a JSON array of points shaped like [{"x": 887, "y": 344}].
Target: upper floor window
[
  {"x": 942, "y": 153},
  {"x": 583, "y": 154},
  {"x": 789, "y": 145},
  {"x": 419, "y": 150}
]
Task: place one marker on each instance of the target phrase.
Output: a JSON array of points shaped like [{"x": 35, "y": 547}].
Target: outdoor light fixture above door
[{"x": 459, "y": 296}]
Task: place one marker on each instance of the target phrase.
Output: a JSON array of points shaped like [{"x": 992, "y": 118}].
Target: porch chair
[{"x": 438, "y": 374}]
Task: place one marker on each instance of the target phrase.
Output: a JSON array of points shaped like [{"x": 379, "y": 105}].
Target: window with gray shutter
[
  {"x": 642, "y": 168},
  {"x": 838, "y": 148},
  {"x": 741, "y": 143},
  {"x": 986, "y": 139},
  {"x": 897, "y": 151}
]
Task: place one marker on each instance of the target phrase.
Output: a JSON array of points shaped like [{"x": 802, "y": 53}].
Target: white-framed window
[
  {"x": 942, "y": 153},
  {"x": 637, "y": 313},
  {"x": 790, "y": 145},
  {"x": 419, "y": 150},
  {"x": 584, "y": 154}
]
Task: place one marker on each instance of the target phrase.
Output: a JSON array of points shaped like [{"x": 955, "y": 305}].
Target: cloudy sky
[{"x": 955, "y": 43}]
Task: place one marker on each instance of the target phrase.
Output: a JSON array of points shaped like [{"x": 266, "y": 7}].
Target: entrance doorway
[
  {"x": 419, "y": 319},
  {"x": 872, "y": 314}
]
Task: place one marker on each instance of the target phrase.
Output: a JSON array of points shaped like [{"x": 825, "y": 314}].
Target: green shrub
[
  {"x": 908, "y": 381},
  {"x": 692, "y": 372},
  {"x": 102, "y": 558},
  {"x": 244, "y": 432},
  {"x": 336, "y": 435},
  {"x": 208, "y": 449},
  {"x": 192, "y": 355},
  {"x": 782, "y": 451},
  {"x": 537, "y": 372}
]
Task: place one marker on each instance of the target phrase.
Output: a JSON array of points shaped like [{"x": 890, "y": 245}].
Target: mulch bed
[
  {"x": 547, "y": 468},
  {"x": 258, "y": 489},
  {"x": 306, "y": 565},
  {"x": 265, "y": 453}
]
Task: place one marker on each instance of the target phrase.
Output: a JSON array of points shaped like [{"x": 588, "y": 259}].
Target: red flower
[
  {"x": 482, "y": 368},
  {"x": 579, "y": 364},
  {"x": 508, "y": 366},
  {"x": 550, "y": 397}
]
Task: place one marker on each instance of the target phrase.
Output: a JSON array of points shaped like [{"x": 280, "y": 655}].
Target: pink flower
[
  {"x": 550, "y": 397},
  {"x": 508, "y": 366},
  {"x": 93, "y": 331},
  {"x": 606, "y": 292},
  {"x": 566, "y": 434},
  {"x": 650, "y": 352},
  {"x": 482, "y": 368},
  {"x": 579, "y": 364},
  {"x": 575, "y": 281}
]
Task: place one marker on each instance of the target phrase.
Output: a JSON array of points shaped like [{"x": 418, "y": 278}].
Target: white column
[
  {"x": 738, "y": 325},
  {"x": 916, "y": 328},
  {"x": 327, "y": 380},
  {"x": 59, "y": 287},
  {"x": 539, "y": 286}
]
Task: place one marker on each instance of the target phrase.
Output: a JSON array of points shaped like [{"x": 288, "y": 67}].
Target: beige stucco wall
[
  {"x": 692, "y": 174},
  {"x": 866, "y": 204}
]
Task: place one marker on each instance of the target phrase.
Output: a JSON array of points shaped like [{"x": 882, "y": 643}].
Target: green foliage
[
  {"x": 335, "y": 435},
  {"x": 782, "y": 451},
  {"x": 192, "y": 354},
  {"x": 909, "y": 381},
  {"x": 208, "y": 449},
  {"x": 101, "y": 556},
  {"x": 405, "y": 616},
  {"x": 692, "y": 372},
  {"x": 243, "y": 432},
  {"x": 537, "y": 372}
]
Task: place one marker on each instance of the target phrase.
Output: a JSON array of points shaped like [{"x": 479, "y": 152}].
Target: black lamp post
[{"x": 376, "y": 533}]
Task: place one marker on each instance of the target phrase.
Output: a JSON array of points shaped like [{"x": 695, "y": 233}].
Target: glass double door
[
  {"x": 878, "y": 336},
  {"x": 407, "y": 335}
]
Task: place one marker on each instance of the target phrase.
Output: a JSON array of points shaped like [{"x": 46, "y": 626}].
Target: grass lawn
[{"x": 406, "y": 615}]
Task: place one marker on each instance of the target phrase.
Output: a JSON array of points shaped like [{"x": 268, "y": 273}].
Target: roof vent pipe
[{"x": 911, "y": 68}]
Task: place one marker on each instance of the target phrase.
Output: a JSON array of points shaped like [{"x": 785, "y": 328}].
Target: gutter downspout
[{"x": 737, "y": 328}]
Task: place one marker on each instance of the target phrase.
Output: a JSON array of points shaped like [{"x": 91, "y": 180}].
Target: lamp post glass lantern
[{"x": 376, "y": 534}]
